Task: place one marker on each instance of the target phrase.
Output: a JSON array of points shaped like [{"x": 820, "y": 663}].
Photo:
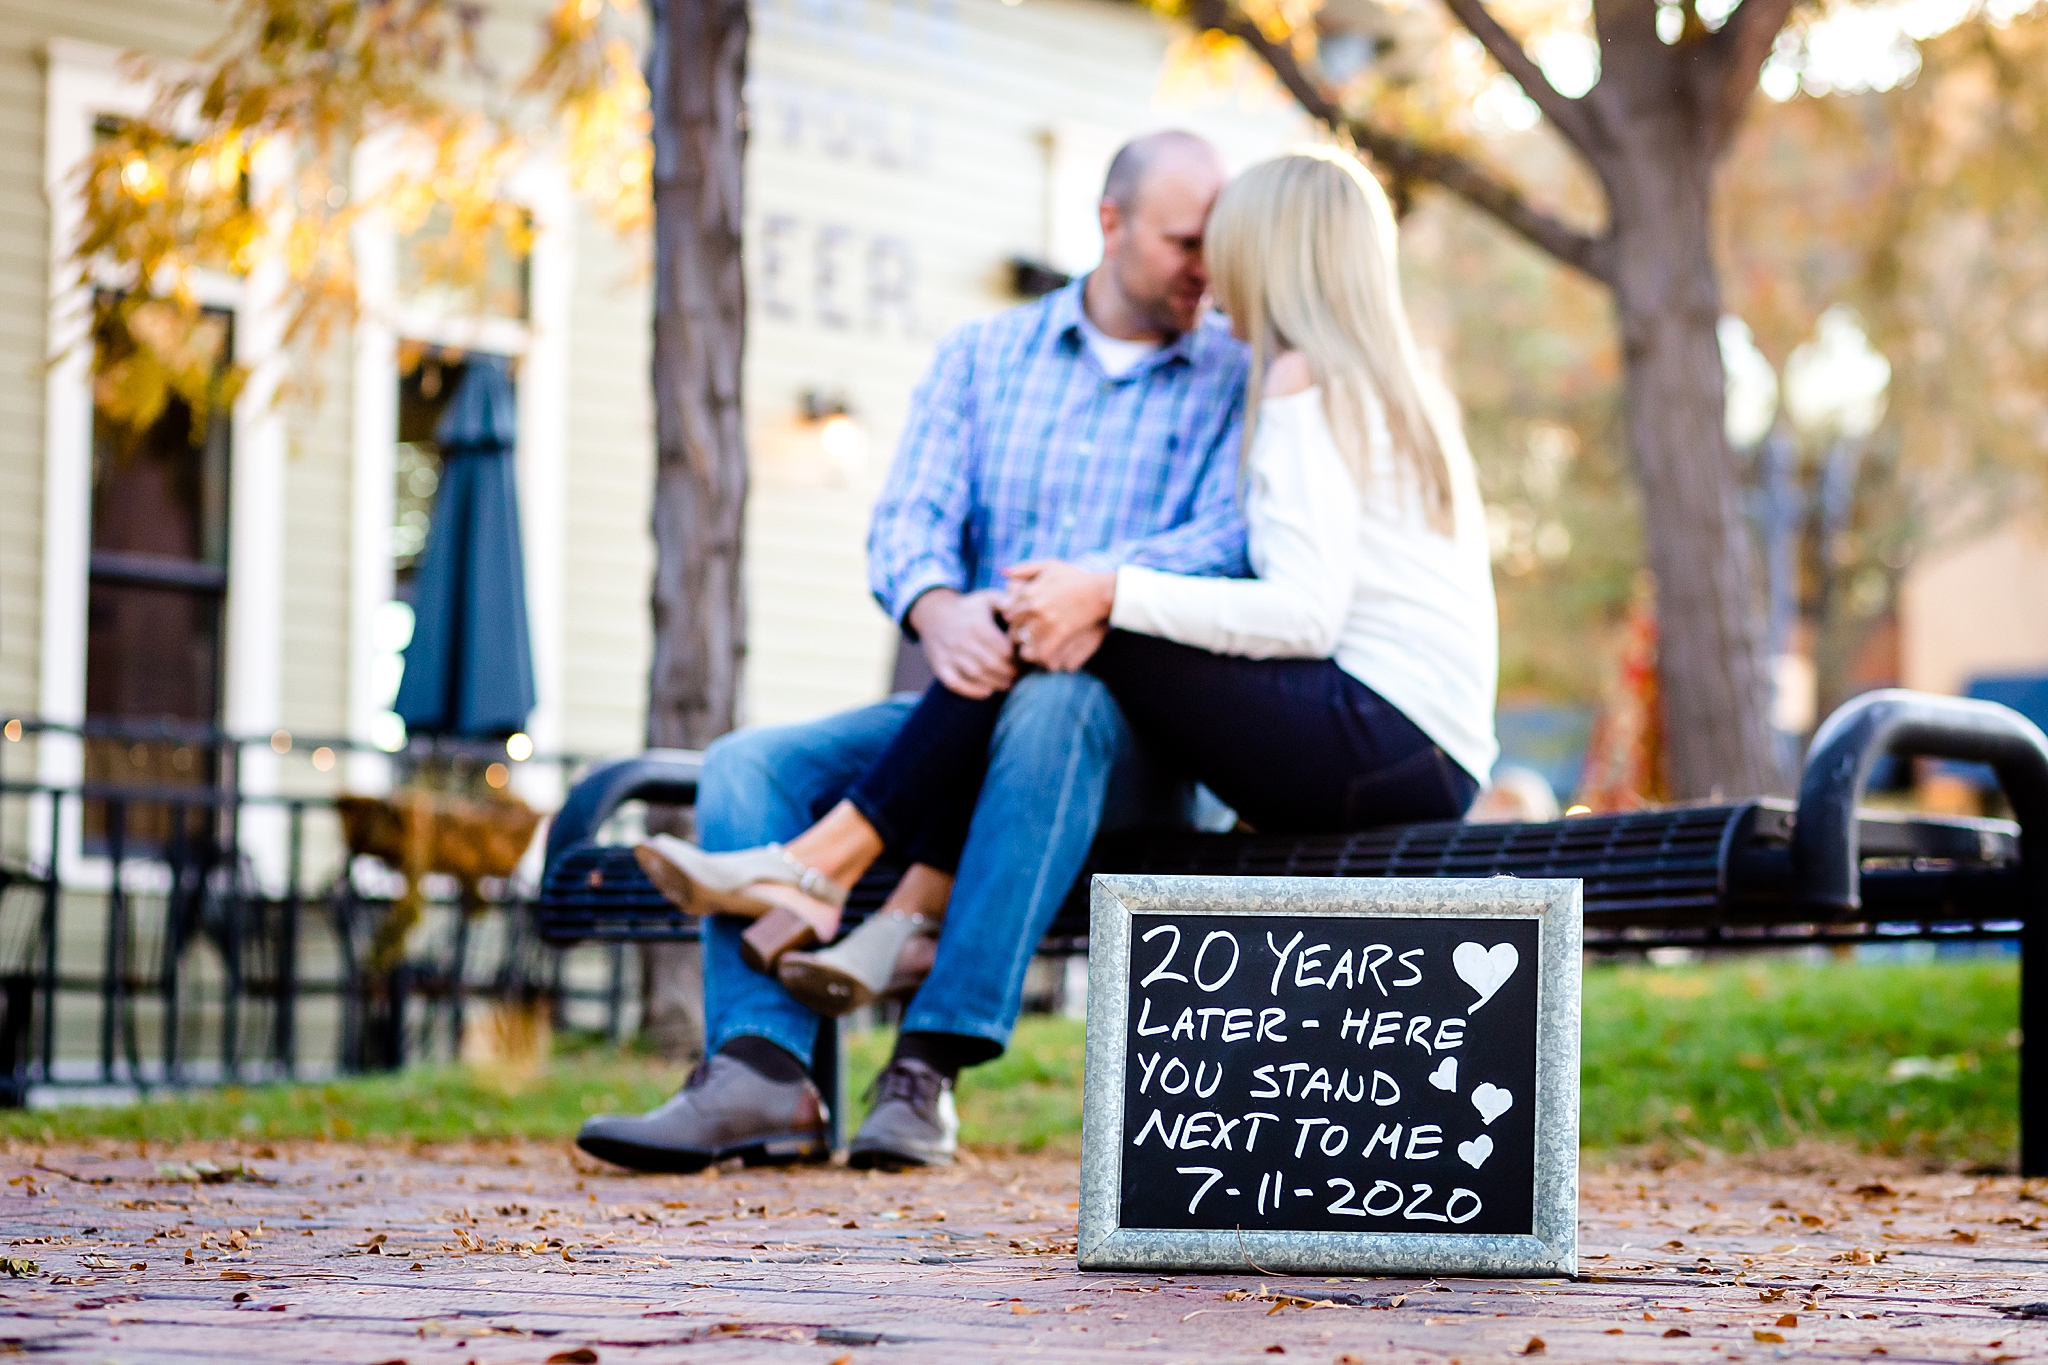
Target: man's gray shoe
[
  {"x": 913, "y": 1122},
  {"x": 725, "y": 1109}
]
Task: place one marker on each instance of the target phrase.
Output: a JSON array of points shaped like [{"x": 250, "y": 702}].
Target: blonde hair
[{"x": 1301, "y": 255}]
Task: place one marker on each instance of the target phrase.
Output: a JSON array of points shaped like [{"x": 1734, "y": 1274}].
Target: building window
[
  {"x": 157, "y": 587},
  {"x": 484, "y": 272}
]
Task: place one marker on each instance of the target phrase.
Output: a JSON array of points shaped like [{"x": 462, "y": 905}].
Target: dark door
[{"x": 156, "y": 609}]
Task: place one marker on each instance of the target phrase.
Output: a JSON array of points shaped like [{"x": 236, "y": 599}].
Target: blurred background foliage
[
  {"x": 1529, "y": 350},
  {"x": 1918, "y": 208}
]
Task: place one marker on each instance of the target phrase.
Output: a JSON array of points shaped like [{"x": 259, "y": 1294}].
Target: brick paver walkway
[{"x": 501, "y": 1254}]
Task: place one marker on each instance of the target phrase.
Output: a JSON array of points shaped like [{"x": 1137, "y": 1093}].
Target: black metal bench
[{"x": 1746, "y": 874}]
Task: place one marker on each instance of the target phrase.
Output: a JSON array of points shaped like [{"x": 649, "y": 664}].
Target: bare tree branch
[
  {"x": 1413, "y": 160},
  {"x": 1575, "y": 119},
  {"x": 1506, "y": 205},
  {"x": 1226, "y": 18},
  {"x": 1744, "y": 44}
]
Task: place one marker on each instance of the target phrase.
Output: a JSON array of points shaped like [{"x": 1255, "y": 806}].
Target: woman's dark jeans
[
  {"x": 1294, "y": 746},
  {"x": 920, "y": 793}
]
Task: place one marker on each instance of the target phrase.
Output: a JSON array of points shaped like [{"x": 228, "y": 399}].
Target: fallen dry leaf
[
  {"x": 582, "y": 1355},
  {"x": 1788, "y": 1320},
  {"x": 1768, "y": 1338}
]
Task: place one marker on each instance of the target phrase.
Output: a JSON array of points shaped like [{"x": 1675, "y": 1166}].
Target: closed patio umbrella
[{"x": 469, "y": 668}]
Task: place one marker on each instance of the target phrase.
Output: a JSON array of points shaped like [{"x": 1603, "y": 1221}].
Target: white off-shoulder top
[{"x": 1363, "y": 580}]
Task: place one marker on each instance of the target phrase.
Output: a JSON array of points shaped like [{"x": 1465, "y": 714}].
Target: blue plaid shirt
[{"x": 1020, "y": 447}]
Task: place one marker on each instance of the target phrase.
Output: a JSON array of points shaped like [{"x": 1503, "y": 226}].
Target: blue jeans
[{"x": 1061, "y": 751}]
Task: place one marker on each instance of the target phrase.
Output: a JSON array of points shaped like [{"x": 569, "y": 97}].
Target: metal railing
[
  {"x": 227, "y": 749},
  {"x": 177, "y": 932}
]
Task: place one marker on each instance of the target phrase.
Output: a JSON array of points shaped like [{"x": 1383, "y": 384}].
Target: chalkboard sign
[{"x": 1332, "y": 1075}]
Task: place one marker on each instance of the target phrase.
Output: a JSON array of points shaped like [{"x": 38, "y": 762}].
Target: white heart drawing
[
  {"x": 1475, "y": 1152},
  {"x": 1491, "y": 1101},
  {"x": 1485, "y": 970},
  {"x": 1445, "y": 1077}
]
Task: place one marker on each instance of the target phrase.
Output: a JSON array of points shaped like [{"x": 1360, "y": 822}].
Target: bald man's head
[
  {"x": 1137, "y": 159},
  {"x": 1155, "y": 202}
]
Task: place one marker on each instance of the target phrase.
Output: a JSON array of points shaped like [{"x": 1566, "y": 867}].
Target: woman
[{"x": 1350, "y": 684}]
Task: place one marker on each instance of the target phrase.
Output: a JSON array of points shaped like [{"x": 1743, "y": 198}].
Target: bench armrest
[
  {"x": 1893, "y": 720},
  {"x": 664, "y": 776}
]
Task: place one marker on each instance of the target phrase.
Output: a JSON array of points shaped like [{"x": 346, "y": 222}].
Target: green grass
[
  {"x": 1737, "y": 1056},
  {"x": 422, "y": 1104},
  {"x": 1734, "y": 1056},
  {"x": 1760, "y": 1054},
  {"x": 1025, "y": 1099}
]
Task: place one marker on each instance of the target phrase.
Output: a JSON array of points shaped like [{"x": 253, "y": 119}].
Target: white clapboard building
[{"x": 905, "y": 154}]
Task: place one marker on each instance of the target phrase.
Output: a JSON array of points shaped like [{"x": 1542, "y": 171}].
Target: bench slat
[{"x": 1687, "y": 868}]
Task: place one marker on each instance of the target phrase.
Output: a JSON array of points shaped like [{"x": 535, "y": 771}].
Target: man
[{"x": 1098, "y": 426}]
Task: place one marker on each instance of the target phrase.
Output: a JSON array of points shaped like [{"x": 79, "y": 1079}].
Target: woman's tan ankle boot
[{"x": 855, "y": 971}]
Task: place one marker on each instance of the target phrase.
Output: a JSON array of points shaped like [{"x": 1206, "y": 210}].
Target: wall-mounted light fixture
[
  {"x": 822, "y": 405},
  {"x": 1031, "y": 279},
  {"x": 842, "y": 438}
]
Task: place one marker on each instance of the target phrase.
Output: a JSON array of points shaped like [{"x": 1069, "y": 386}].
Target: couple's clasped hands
[{"x": 1051, "y": 614}]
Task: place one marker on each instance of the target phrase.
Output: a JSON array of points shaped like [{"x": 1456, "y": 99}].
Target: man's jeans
[{"x": 1059, "y": 747}]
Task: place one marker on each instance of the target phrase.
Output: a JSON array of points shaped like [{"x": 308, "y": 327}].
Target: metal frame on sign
[{"x": 1552, "y": 1247}]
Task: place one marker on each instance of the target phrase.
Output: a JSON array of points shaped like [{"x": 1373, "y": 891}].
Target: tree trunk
[
  {"x": 697, "y": 75},
  {"x": 1711, "y": 670}
]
